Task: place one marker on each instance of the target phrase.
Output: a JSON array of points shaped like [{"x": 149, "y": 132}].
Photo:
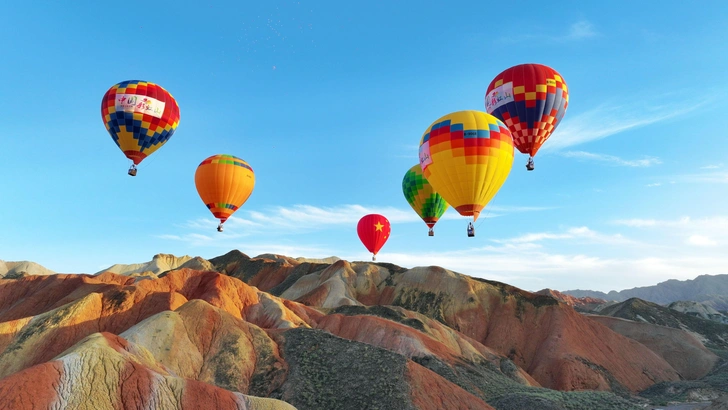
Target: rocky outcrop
[
  {"x": 105, "y": 371},
  {"x": 681, "y": 349},
  {"x": 712, "y": 334},
  {"x": 159, "y": 264},
  {"x": 700, "y": 310},
  {"x": 555, "y": 345},
  {"x": 193, "y": 333},
  {"x": 314, "y": 335},
  {"x": 11, "y": 270},
  {"x": 584, "y": 304}
]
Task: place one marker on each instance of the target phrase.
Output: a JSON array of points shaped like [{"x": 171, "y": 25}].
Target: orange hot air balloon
[
  {"x": 224, "y": 183},
  {"x": 373, "y": 230}
]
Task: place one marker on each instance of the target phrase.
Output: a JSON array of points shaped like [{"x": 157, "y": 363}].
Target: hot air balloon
[
  {"x": 373, "y": 230},
  {"x": 531, "y": 99},
  {"x": 428, "y": 204},
  {"x": 140, "y": 117},
  {"x": 466, "y": 156},
  {"x": 224, "y": 183}
]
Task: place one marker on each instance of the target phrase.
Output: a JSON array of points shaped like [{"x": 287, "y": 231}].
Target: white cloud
[
  {"x": 653, "y": 185},
  {"x": 611, "y": 159},
  {"x": 715, "y": 222},
  {"x": 580, "y": 30},
  {"x": 717, "y": 177},
  {"x": 713, "y": 166},
  {"x": 636, "y": 222},
  {"x": 533, "y": 268},
  {"x": 514, "y": 209},
  {"x": 609, "y": 119},
  {"x": 581, "y": 233},
  {"x": 700, "y": 240},
  {"x": 699, "y": 232},
  {"x": 307, "y": 217}
]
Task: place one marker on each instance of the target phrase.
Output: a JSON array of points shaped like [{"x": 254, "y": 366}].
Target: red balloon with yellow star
[{"x": 373, "y": 230}]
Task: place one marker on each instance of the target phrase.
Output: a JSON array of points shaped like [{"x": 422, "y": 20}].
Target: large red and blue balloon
[{"x": 531, "y": 99}]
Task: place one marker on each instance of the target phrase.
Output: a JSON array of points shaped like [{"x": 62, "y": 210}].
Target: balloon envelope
[
  {"x": 373, "y": 230},
  {"x": 427, "y": 203},
  {"x": 224, "y": 183},
  {"x": 466, "y": 156},
  {"x": 531, "y": 99},
  {"x": 140, "y": 117}
]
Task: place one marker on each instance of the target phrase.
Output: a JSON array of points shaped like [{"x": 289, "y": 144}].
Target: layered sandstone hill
[
  {"x": 712, "y": 334},
  {"x": 195, "y": 337},
  {"x": 274, "y": 332},
  {"x": 17, "y": 269},
  {"x": 700, "y": 310},
  {"x": 159, "y": 264},
  {"x": 557, "y": 346},
  {"x": 584, "y": 304},
  {"x": 682, "y": 349}
]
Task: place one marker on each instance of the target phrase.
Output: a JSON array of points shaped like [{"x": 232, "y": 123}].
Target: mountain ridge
[
  {"x": 711, "y": 290},
  {"x": 293, "y": 329}
]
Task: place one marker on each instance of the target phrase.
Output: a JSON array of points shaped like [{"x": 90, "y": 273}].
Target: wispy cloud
[
  {"x": 576, "y": 258},
  {"x": 611, "y": 159},
  {"x": 580, "y": 30},
  {"x": 700, "y": 240},
  {"x": 307, "y": 217},
  {"x": 581, "y": 233},
  {"x": 717, "y": 222},
  {"x": 654, "y": 185},
  {"x": 713, "y": 166},
  {"x": 577, "y": 31},
  {"x": 609, "y": 119},
  {"x": 716, "y": 177},
  {"x": 533, "y": 269},
  {"x": 703, "y": 232}
]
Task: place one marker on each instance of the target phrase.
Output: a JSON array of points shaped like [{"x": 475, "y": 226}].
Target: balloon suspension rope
[
  {"x": 487, "y": 212},
  {"x": 148, "y": 160}
]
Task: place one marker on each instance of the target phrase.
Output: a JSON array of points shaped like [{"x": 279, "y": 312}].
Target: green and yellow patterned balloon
[{"x": 428, "y": 204}]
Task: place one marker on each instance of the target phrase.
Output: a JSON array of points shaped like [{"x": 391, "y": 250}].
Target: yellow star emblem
[{"x": 378, "y": 226}]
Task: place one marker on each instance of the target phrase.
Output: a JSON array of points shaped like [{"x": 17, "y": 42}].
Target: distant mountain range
[{"x": 711, "y": 290}]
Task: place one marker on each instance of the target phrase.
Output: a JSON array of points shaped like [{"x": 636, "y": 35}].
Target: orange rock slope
[
  {"x": 189, "y": 337},
  {"x": 558, "y": 347},
  {"x": 274, "y": 332}
]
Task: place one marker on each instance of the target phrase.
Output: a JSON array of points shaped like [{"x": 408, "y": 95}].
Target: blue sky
[{"x": 327, "y": 102}]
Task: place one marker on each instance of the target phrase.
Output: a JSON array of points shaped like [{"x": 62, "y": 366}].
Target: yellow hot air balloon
[
  {"x": 224, "y": 183},
  {"x": 466, "y": 156}
]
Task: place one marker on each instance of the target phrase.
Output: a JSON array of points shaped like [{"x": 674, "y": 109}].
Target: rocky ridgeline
[{"x": 274, "y": 332}]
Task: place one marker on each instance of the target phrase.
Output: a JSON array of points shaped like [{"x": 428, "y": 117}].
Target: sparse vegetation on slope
[
  {"x": 492, "y": 384},
  {"x": 714, "y": 333},
  {"x": 328, "y": 372}
]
